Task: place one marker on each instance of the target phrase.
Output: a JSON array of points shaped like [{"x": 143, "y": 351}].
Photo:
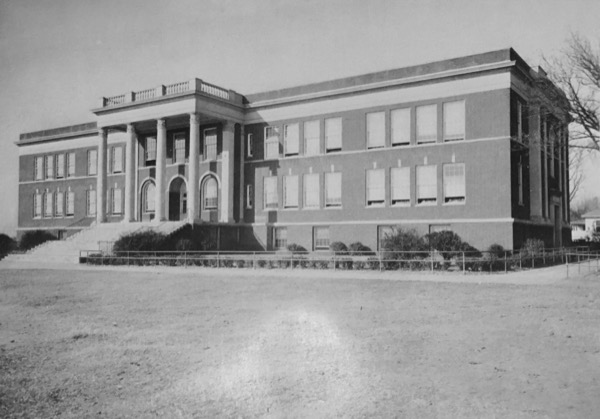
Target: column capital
[
  {"x": 228, "y": 125},
  {"x": 131, "y": 128},
  {"x": 103, "y": 131},
  {"x": 161, "y": 123},
  {"x": 194, "y": 118}
]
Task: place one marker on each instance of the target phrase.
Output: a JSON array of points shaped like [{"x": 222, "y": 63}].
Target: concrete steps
[{"x": 67, "y": 251}]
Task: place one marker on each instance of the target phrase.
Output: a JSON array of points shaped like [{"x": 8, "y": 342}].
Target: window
[
  {"x": 90, "y": 202},
  {"x": 400, "y": 186},
  {"x": 400, "y": 126},
  {"x": 270, "y": 192},
  {"x": 454, "y": 121},
  {"x": 149, "y": 197},
  {"x": 179, "y": 140},
  {"x": 333, "y": 189},
  {"x": 290, "y": 191},
  {"x": 375, "y": 188},
  {"x": 250, "y": 145},
  {"x": 321, "y": 238},
  {"x": 116, "y": 159},
  {"x": 60, "y": 166},
  {"x": 519, "y": 120},
  {"x": 92, "y": 162},
  {"x": 280, "y": 237},
  {"x": 333, "y": 134},
  {"x": 426, "y": 185},
  {"x": 211, "y": 194},
  {"x": 184, "y": 203},
  {"x": 49, "y": 167},
  {"x": 117, "y": 201},
  {"x": 38, "y": 171},
  {"x": 70, "y": 203},
  {"x": 37, "y": 205},
  {"x": 48, "y": 201},
  {"x": 311, "y": 190},
  {"x": 454, "y": 183},
  {"x": 312, "y": 138},
  {"x": 249, "y": 196},
  {"x": 150, "y": 151},
  {"x": 520, "y": 182},
  {"x": 376, "y": 130},
  {"x": 291, "y": 135},
  {"x": 59, "y": 204},
  {"x": 210, "y": 144},
  {"x": 271, "y": 142},
  {"x": 427, "y": 124},
  {"x": 70, "y": 164}
]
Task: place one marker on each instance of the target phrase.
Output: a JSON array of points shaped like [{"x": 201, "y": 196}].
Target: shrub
[
  {"x": 7, "y": 245},
  {"x": 296, "y": 248},
  {"x": 185, "y": 244},
  {"x": 338, "y": 248},
  {"x": 34, "y": 238},
  {"x": 450, "y": 244},
  {"x": 403, "y": 245},
  {"x": 496, "y": 251},
  {"x": 358, "y": 249},
  {"x": 532, "y": 247},
  {"x": 143, "y": 241}
]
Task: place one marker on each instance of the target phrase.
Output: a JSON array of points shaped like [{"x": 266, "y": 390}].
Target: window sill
[
  {"x": 427, "y": 204},
  {"x": 400, "y": 144},
  {"x": 338, "y": 207},
  {"x": 290, "y": 209},
  {"x": 448, "y": 140},
  {"x": 311, "y": 208},
  {"x": 454, "y": 203},
  {"x": 270, "y": 209},
  {"x": 382, "y": 205},
  {"x": 401, "y": 205}
]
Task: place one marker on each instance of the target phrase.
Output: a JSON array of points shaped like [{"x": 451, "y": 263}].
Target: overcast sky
[{"x": 58, "y": 57}]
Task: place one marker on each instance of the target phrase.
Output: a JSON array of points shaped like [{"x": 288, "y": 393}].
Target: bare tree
[
  {"x": 582, "y": 207},
  {"x": 576, "y": 174},
  {"x": 577, "y": 72}
]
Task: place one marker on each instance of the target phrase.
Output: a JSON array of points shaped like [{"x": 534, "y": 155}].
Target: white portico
[{"x": 179, "y": 152}]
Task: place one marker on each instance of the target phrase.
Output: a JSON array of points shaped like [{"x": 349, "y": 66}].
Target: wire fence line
[{"x": 465, "y": 262}]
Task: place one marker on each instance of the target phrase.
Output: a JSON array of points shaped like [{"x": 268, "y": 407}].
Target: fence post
[
  {"x": 431, "y": 256},
  {"x": 463, "y": 258},
  {"x": 520, "y": 261},
  {"x": 544, "y": 256},
  {"x": 254, "y": 260},
  {"x": 334, "y": 261},
  {"x": 218, "y": 261},
  {"x": 185, "y": 259},
  {"x": 505, "y": 263},
  {"x": 567, "y": 267},
  {"x": 127, "y": 258},
  {"x": 380, "y": 264}
]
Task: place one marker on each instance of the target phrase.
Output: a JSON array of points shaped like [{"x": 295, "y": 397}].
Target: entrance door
[
  {"x": 174, "y": 204},
  {"x": 177, "y": 199}
]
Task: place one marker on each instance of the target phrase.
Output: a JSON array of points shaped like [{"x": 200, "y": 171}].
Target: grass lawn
[{"x": 97, "y": 343}]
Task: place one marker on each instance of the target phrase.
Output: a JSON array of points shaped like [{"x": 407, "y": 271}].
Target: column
[
  {"x": 101, "y": 176},
  {"x": 242, "y": 169},
  {"x": 535, "y": 168},
  {"x": 161, "y": 162},
  {"x": 227, "y": 166},
  {"x": 129, "y": 173},
  {"x": 192, "y": 186}
]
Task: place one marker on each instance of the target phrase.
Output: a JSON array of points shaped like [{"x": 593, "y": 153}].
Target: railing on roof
[{"x": 194, "y": 85}]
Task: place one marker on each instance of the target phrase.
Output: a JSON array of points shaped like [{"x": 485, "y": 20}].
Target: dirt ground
[{"x": 143, "y": 343}]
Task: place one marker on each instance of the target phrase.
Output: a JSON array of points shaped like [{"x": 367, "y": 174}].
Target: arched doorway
[
  {"x": 147, "y": 201},
  {"x": 209, "y": 199},
  {"x": 177, "y": 199}
]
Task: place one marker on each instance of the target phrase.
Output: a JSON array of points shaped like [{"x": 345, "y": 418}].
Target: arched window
[
  {"x": 148, "y": 197},
  {"x": 210, "y": 194}
]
